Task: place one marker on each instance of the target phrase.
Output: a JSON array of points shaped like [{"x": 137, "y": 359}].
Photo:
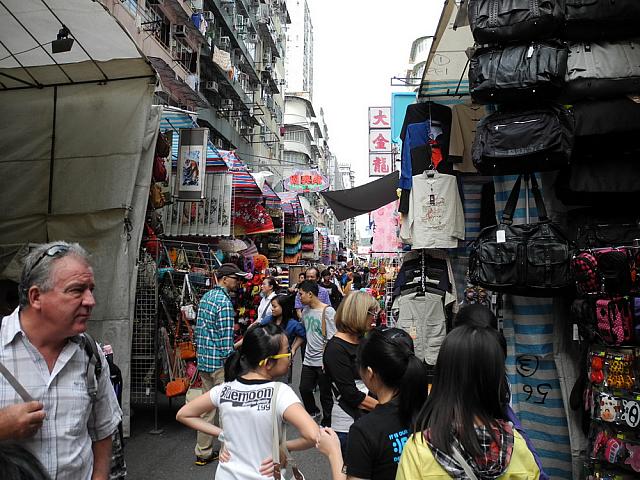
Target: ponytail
[
  {"x": 389, "y": 353},
  {"x": 259, "y": 342},
  {"x": 414, "y": 388},
  {"x": 233, "y": 366}
]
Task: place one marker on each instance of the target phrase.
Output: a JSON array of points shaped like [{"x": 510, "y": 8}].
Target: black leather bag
[
  {"x": 509, "y": 143},
  {"x": 600, "y": 19},
  {"x": 518, "y": 72},
  {"x": 532, "y": 259},
  {"x": 500, "y": 21},
  {"x": 608, "y": 235}
]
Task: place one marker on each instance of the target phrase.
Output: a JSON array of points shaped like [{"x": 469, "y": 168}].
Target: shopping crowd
[{"x": 378, "y": 416}]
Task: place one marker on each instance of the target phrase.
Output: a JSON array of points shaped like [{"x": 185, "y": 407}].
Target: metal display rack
[{"x": 144, "y": 346}]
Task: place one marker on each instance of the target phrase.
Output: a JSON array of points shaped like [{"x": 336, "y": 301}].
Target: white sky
[{"x": 358, "y": 46}]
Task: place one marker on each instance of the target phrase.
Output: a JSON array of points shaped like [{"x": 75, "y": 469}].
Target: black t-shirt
[{"x": 375, "y": 443}]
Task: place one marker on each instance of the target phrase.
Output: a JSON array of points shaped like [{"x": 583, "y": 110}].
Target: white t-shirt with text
[{"x": 246, "y": 417}]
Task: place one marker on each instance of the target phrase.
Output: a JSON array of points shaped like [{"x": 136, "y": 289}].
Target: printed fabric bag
[
  {"x": 516, "y": 73},
  {"x": 279, "y": 442},
  {"x": 516, "y": 142},
  {"x": 531, "y": 259},
  {"x": 614, "y": 320},
  {"x": 499, "y": 21}
]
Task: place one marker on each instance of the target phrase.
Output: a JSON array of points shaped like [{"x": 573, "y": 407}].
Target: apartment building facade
[{"x": 223, "y": 59}]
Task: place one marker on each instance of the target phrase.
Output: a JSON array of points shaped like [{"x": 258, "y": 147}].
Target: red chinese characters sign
[
  {"x": 380, "y": 164},
  {"x": 379, "y": 117},
  {"x": 304, "y": 181}
]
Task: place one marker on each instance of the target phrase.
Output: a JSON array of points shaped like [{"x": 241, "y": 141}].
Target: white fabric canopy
[{"x": 76, "y": 157}]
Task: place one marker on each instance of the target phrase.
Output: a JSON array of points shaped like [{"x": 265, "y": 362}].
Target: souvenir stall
[
  {"x": 309, "y": 242},
  {"x": 293, "y": 220},
  {"x": 272, "y": 244},
  {"x": 527, "y": 152}
]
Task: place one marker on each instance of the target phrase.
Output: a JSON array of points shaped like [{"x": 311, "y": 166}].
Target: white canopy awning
[{"x": 102, "y": 50}]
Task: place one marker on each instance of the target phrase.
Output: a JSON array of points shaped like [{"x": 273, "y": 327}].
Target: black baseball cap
[{"x": 231, "y": 270}]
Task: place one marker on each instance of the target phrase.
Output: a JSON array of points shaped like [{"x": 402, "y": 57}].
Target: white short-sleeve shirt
[{"x": 245, "y": 413}]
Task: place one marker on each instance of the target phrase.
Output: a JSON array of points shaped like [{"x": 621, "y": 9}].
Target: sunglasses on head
[{"x": 52, "y": 251}]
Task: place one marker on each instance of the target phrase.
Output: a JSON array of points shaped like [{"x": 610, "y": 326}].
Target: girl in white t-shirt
[{"x": 244, "y": 401}]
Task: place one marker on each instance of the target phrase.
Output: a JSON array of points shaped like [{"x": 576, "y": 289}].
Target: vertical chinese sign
[{"x": 380, "y": 157}]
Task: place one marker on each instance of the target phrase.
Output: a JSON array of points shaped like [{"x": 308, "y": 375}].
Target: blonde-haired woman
[{"x": 355, "y": 315}]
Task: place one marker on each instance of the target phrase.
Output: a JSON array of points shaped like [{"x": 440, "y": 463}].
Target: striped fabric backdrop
[{"x": 531, "y": 367}]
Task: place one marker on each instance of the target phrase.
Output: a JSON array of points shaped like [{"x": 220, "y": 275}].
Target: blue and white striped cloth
[{"x": 537, "y": 393}]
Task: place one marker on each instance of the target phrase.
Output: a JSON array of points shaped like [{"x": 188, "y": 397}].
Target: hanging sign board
[
  {"x": 306, "y": 181},
  {"x": 380, "y": 140},
  {"x": 192, "y": 163},
  {"x": 379, "y": 117},
  {"x": 380, "y": 164}
]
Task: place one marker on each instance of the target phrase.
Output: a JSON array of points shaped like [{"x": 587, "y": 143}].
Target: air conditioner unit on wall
[
  {"x": 211, "y": 85},
  {"x": 180, "y": 31}
]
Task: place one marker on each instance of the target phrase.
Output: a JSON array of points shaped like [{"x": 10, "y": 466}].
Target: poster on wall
[
  {"x": 192, "y": 163},
  {"x": 305, "y": 181}
]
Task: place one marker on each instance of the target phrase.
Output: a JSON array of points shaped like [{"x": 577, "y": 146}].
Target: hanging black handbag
[
  {"x": 500, "y": 21},
  {"x": 509, "y": 143},
  {"x": 517, "y": 72},
  {"x": 532, "y": 259},
  {"x": 600, "y": 19},
  {"x": 608, "y": 235}
]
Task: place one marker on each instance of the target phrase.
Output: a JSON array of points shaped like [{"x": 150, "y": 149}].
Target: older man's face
[
  {"x": 311, "y": 274},
  {"x": 67, "y": 306}
]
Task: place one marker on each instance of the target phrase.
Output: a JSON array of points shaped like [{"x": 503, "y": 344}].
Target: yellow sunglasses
[{"x": 274, "y": 357}]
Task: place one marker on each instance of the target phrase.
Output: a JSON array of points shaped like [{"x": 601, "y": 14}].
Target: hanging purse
[
  {"x": 532, "y": 259},
  {"x": 279, "y": 442},
  {"x": 525, "y": 141}
]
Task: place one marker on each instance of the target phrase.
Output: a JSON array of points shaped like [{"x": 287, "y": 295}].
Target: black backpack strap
[{"x": 91, "y": 348}]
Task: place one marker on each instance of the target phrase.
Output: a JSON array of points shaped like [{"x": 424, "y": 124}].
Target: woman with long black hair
[
  {"x": 462, "y": 431},
  {"x": 389, "y": 369}
]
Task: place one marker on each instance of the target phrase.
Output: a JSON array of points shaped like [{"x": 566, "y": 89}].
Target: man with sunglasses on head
[
  {"x": 214, "y": 341},
  {"x": 53, "y": 400}
]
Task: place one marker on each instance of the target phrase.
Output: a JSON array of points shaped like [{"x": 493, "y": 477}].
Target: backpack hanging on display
[
  {"x": 532, "y": 259},
  {"x": 499, "y": 21},
  {"x": 517, "y": 142},
  {"x": 517, "y": 72},
  {"x": 602, "y": 69},
  {"x": 596, "y": 19}
]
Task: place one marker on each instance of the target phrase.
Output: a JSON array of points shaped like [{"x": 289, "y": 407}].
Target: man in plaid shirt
[{"x": 214, "y": 341}]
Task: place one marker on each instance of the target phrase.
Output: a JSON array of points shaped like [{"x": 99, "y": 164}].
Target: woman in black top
[
  {"x": 389, "y": 369},
  {"x": 353, "y": 319}
]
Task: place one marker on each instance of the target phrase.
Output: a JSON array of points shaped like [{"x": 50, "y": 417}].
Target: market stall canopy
[
  {"x": 175, "y": 119},
  {"x": 272, "y": 200},
  {"x": 445, "y": 71},
  {"x": 364, "y": 199},
  {"x": 78, "y": 138},
  {"x": 244, "y": 185},
  {"x": 101, "y": 50},
  {"x": 291, "y": 204}
]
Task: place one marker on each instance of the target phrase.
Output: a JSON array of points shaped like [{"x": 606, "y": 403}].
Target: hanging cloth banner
[{"x": 364, "y": 199}]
